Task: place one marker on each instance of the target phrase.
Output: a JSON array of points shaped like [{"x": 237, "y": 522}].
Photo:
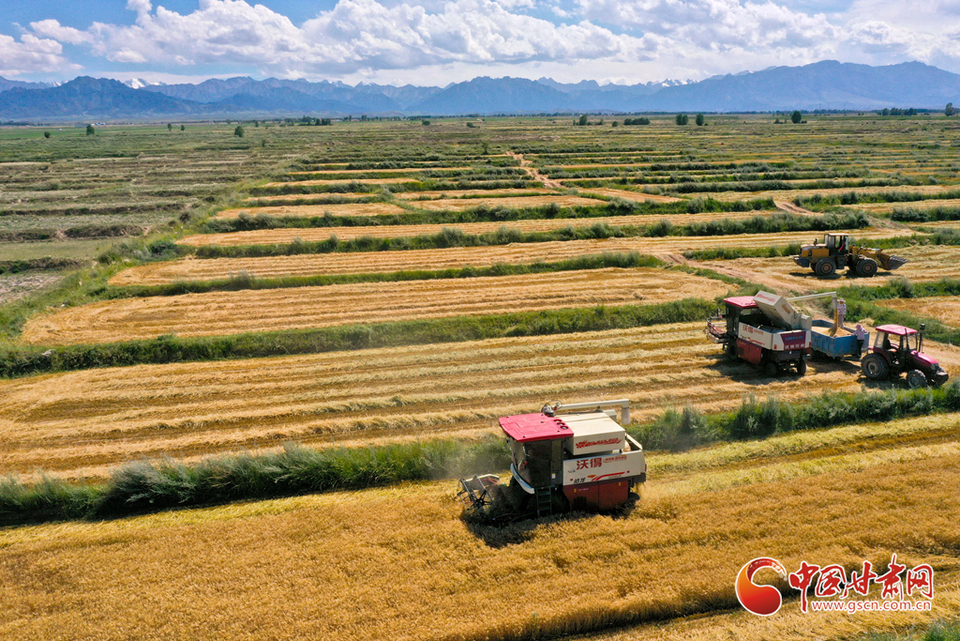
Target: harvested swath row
[
  {"x": 927, "y": 263},
  {"x": 336, "y": 209},
  {"x": 281, "y": 236},
  {"x": 462, "y": 204},
  {"x": 361, "y": 181},
  {"x": 887, "y": 208},
  {"x": 470, "y": 193},
  {"x": 223, "y": 313},
  {"x": 407, "y": 170},
  {"x": 944, "y": 308},
  {"x": 676, "y": 555},
  {"x": 88, "y": 421},
  {"x": 631, "y": 195},
  {"x": 791, "y": 194},
  {"x": 644, "y": 245}
]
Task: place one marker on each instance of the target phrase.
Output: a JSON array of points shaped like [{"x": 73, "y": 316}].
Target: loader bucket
[{"x": 893, "y": 262}]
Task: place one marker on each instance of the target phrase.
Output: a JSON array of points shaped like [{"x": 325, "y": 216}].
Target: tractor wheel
[
  {"x": 771, "y": 369},
  {"x": 825, "y": 267},
  {"x": 801, "y": 367},
  {"x": 916, "y": 379},
  {"x": 874, "y": 367},
  {"x": 867, "y": 267}
]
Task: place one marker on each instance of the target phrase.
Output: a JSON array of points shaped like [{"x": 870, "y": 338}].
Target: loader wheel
[
  {"x": 867, "y": 267},
  {"x": 916, "y": 379},
  {"x": 825, "y": 267},
  {"x": 874, "y": 367},
  {"x": 801, "y": 367}
]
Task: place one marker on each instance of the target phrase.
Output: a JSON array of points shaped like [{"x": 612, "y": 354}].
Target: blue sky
[{"x": 440, "y": 41}]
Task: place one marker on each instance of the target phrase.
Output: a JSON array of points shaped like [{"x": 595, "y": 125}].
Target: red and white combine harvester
[{"x": 565, "y": 457}]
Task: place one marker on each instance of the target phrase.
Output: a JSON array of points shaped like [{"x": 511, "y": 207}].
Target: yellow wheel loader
[{"x": 838, "y": 251}]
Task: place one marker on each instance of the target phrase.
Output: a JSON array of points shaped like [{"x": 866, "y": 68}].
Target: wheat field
[
  {"x": 312, "y": 234},
  {"x": 945, "y": 308},
  {"x": 87, "y": 422},
  {"x": 334, "y": 560},
  {"x": 222, "y": 313}
]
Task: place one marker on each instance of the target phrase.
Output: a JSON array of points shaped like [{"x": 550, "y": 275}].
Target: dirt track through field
[
  {"x": 534, "y": 173},
  {"x": 225, "y": 313},
  {"x": 87, "y": 421}
]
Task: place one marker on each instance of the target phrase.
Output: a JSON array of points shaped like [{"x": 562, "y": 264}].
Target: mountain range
[{"x": 821, "y": 85}]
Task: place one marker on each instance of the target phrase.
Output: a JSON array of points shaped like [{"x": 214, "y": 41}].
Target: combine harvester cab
[
  {"x": 899, "y": 350},
  {"x": 582, "y": 460}
]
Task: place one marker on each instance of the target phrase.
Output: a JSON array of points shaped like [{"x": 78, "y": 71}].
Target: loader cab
[
  {"x": 536, "y": 448},
  {"x": 837, "y": 243}
]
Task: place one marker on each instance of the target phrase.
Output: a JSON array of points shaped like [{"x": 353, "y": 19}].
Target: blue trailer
[{"x": 845, "y": 343}]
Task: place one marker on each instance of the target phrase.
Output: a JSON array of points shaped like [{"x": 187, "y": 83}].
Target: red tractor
[{"x": 897, "y": 349}]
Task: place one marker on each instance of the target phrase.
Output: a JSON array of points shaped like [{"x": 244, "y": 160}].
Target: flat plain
[{"x": 666, "y": 568}]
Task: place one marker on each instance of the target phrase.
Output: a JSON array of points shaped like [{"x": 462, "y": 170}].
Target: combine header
[{"x": 565, "y": 457}]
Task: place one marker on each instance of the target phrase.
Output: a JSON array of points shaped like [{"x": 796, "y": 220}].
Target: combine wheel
[
  {"x": 771, "y": 369},
  {"x": 825, "y": 267},
  {"x": 874, "y": 367},
  {"x": 867, "y": 267},
  {"x": 916, "y": 379},
  {"x": 801, "y": 367}
]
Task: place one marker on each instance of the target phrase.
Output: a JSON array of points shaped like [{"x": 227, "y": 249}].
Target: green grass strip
[{"x": 17, "y": 361}]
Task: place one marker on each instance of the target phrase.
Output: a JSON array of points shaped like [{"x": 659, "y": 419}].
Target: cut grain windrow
[{"x": 224, "y": 313}]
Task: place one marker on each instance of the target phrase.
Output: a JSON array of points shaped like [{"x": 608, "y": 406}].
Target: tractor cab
[
  {"x": 897, "y": 342},
  {"x": 836, "y": 243},
  {"x": 536, "y": 448}
]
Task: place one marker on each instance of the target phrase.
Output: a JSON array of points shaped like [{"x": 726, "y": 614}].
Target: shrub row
[
  {"x": 853, "y": 197},
  {"x": 912, "y": 215},
  {"x": 40, "y": 264},
  {"x": 20, "y": 360},
  {"x": 682, "y": 429},
  {"x": 148, "y": 486}
]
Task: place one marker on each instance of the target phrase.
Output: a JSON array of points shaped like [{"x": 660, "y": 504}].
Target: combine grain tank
[{"x": 565, "y": 457}]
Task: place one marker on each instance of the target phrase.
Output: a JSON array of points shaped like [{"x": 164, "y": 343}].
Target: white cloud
[
  {"x": 30, "y": 55},
  {"x": 354, "y": 35},
  {"x": 54, "y": 30}
]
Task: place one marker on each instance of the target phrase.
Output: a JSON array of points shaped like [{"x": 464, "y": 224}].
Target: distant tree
[
  {"x": 183, "y": 127},
  {"x": 583, "y": 120},
  {"x": 256, "y": 123},
  {"x": 326, "y": 122},
  {"x": 682, "y": 119},
  {"x": 238, "y": 132},
  {"x": 636, "y": 121},
  {"x": 701, "y": 121},
  {"x": 796, "y": 117},
  {"x": 91, "y": 130},
  {"x": 169, "y": 126},
  {"x": 424, "y": 122},
  {"x": 615, "y": 123},
  {"x": 46, "y": 134},
  {"x": 949, "y": 110}
]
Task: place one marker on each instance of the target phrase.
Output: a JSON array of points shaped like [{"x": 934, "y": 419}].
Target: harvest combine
[
  {"x": 837, "y": 252},
  {"x": 565, "y": 457},
  {"x": 767, "y": 331}
]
